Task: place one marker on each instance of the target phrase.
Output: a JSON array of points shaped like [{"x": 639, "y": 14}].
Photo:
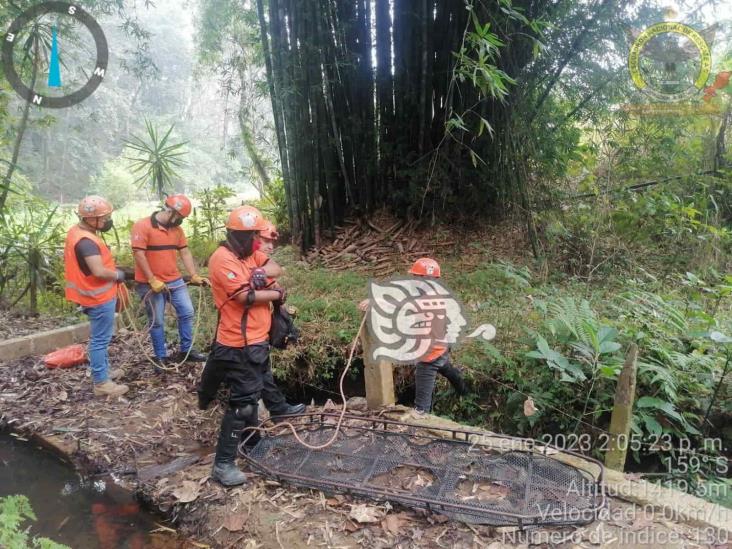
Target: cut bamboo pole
[{"x": 622, "y": 415}]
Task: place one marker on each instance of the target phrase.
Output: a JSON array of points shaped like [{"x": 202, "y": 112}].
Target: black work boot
[
  {"x": 248, "y": 436},
  {"x": 193, "y": 356},
  {"x": 203, "y": 401},
  {"x": 225, "y": 470},
  {"x": 455, "y": 378},
  {"x": 161, "y": 365},
  {"x": 287, "y": 410}
]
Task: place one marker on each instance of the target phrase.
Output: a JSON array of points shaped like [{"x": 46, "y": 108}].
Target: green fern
[
  {"x": 14, "y": 511},
  {"x": 655, "y": 312}
]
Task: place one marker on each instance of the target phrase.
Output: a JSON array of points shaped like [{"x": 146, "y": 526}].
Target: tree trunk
[
  {"x": 247, "y": 137},
  {"x": 425, "y": 18},
  {"x": 384, "y": 95},
  {"x": 34, "y": 273},
  {"x": 19, "y": 138},
  {"x": 720, "y": 146},
  {"x": 275, "y": 95},
  {"x": 281, "y": 82}
]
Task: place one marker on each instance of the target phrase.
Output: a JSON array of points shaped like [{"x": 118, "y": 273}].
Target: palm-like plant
[
  {"x": 156, "y": 159},
  {"x": 30, "y": 241}
]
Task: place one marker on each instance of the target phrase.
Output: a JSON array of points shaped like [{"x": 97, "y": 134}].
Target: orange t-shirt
[
  {"x": 435, "y": 352},
  {"x": 161, "y": 246},
  {"x": 229, "y": 275}
]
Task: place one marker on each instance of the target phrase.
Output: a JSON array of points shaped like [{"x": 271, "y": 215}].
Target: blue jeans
[
  {"x": 101, "y": 318},
  {"x": 177, "y": 294}
]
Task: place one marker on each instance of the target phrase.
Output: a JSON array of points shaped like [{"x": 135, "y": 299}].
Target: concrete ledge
[{"x": 43, "y": 342}]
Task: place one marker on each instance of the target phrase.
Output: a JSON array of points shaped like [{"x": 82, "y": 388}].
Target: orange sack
[{"x": 73, "y": 355}]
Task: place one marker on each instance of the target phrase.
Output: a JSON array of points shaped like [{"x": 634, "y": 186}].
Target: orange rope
[
  {"x": 343, "y": 410},
  {"x": 138, "y": 333}
]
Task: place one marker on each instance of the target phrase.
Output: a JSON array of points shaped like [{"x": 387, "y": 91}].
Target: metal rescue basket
[{"x": 481, "y": 479}]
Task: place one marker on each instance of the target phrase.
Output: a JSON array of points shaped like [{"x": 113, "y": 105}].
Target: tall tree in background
[
  {"x": 464, "y": 107},
  {"x": 228, "y": 42}
]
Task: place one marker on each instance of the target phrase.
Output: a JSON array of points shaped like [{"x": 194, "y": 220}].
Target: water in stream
[{"x": 77, "y": 512}]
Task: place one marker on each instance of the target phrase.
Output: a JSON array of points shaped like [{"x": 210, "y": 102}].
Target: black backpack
[{"x": 283, "y": 330}]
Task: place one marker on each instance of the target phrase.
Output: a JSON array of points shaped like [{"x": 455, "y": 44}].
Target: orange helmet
[
  {"x": 425, "y": 266},
  {"x": 246, "y": 218},
  {"x": 179, "y": 203},
  {"x": 269, "y": 231},
  {"x": 94, "y": 206}
]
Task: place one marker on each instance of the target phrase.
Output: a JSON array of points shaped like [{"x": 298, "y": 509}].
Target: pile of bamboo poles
[{"x": 365, "y": 247}]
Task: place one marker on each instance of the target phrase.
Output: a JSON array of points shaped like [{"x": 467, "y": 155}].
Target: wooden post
[
  {"x": 378, "y": 374},
  {"x": 622, "y": 416}
]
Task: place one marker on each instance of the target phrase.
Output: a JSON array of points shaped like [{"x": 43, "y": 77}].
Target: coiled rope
[{"x": 140, "y": 334}]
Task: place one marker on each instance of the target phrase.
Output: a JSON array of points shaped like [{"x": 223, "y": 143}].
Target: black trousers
[
  {"x": 425, "y": 376},
  {"x": 247, "y": 373}
]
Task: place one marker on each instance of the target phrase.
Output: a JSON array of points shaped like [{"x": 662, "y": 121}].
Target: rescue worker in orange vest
[
  {"x": 437, "y": 359},
  {"x": 239, "y": 274},
  {"x": 91, "y": 281},
  {"x": 156, "y": 242},
  {"x": 212, "y": 377}
]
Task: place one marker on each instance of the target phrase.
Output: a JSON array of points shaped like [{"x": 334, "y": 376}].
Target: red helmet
[
  {"x": 246, "y": 218},
  {"x": 94, "y": 206},
  {"x": 270, "y": 231},
  {"x": 179, "y": 203},
  {"x": 425, "y": 266}
]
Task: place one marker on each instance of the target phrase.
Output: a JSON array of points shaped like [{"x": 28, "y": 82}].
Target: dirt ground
[
  {"x": 158, "y": 422},
  {"x": 17, "y": 324}
]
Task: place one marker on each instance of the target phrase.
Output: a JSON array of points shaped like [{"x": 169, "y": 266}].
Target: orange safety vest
[{"x": 86, "y": 290}]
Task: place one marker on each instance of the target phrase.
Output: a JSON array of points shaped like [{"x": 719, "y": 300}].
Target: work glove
[
  {"x": 198, "y": 280},
  {"x": 128, "y": 273},
  {"x": 156, "y": 285},
  {"x": 258, "y": 279},
  {"x": 120, "y": 275}
]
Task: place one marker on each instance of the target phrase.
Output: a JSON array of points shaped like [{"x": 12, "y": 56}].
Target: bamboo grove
[{"x": 429, "y": 107}]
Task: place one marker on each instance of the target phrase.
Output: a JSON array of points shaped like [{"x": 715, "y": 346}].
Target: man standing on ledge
[
  {"x": 91, "y": 281},
  {"x": 156, "y": 242}
]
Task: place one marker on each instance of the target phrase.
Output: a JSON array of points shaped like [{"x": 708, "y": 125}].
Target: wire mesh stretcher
[{"x": 496, "y": 480}]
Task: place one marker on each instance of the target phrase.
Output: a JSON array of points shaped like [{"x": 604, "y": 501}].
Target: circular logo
[
  {"x": 670, "y": 59},
  {"x": 248, "y": 219},
  {"x": 27, "y": 19}
]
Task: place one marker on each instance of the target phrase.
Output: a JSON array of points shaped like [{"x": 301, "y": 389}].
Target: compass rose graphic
[{"x": 59, "y": 90}]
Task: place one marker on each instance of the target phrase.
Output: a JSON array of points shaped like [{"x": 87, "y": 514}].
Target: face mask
[
  {"x": 242, "y": 242},
  {"x": 177, "y": 223},
  {"x": 171, "y": 215},
  {"x": 107, "y": 226}
]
